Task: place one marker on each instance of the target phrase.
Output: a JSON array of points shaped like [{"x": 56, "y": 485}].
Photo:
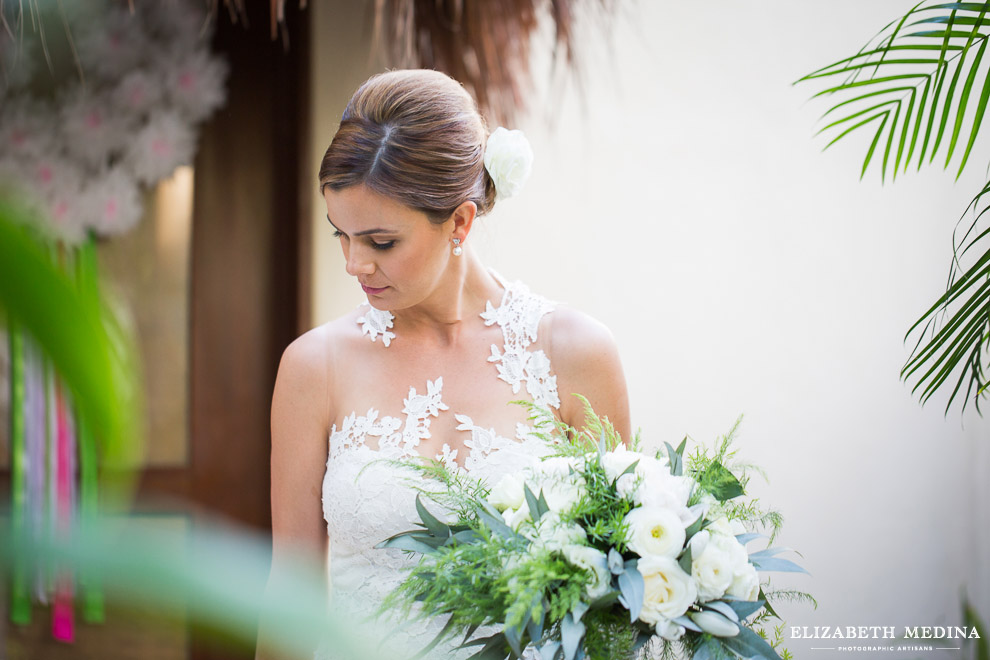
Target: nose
[{"x": 358, "y": 263}]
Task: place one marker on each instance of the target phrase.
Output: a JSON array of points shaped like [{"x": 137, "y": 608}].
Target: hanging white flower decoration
[
  {"x": 110, "y": 45},
  {"x": 111, "y": 202},
  {"x": 156, "y": 149},
  {"x": 54, "y": 185},
  {"x": 26, "y": 127},
  {"x": 138, "y": 93},
  {"x": 195, "y": 83},
  {"x": 92, "y": 131},
  {"x": 81, "y": 159}
]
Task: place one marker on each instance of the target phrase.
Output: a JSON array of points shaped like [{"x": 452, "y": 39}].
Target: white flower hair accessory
[{"x": 509, "y": 161}]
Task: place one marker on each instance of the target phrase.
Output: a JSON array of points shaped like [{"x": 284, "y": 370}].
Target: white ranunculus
[
  {"x": 666, "y": 490},
  {"x": 509, "y": 161},
  {"x": 508, "y": 493},
  {"x": 655, "y": 532},
  {"x": 558, "y": 467},
  {"x": 596, "y": 563},
  {"x": 714, "y": 624},
  {"x": 554, "y": 535},
  {"x": 745, "y": 583},
  {"x": 669, "y": 591},
  {"x": 716, "y": 558},
  {"x": 561, "y": 496},
  {"x": 618, "y": 460},
  {"x": 628, "y": 486}
]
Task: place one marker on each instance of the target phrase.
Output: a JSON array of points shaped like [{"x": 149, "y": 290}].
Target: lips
[{"x": 372, "y": 291}]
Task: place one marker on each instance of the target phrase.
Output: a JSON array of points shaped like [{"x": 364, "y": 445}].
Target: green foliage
[
  {"x": 957, "y": 344},
  {"x": 922, "y": 83},
  {"x": 609, "y": 635},
  {"x": 86, "y": 344},
  {"x": 601, "y": 511},
  {"x": 918, "y": 83},
  {"x": 597, "y": 432}
]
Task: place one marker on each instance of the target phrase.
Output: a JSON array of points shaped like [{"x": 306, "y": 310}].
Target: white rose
[
  {"x": 508, "y": 493},
  {"x": 669, "y": 590},
  {"x": 655, "y": 531},
  {"x": 562, "y": 495},
  {"x": 745, "y": 583},
  {"x": 715, "y": 560},
  {"x": 509, "y": 161},
  {"x": 596, "y": 563}
]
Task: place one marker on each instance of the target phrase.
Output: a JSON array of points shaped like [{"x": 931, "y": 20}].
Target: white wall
[{"x": 688, "y": 206}]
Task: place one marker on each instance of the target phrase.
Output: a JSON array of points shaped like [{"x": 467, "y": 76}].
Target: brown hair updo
[{"x": 414, "y": 136}]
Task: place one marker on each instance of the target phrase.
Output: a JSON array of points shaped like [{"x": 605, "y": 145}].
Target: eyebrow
[{"x": 377, "y": 230}]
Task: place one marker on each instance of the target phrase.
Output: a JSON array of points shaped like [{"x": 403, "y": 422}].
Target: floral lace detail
[
  {"x": 367, "y": 499},
  {"x": 377, "y": 322},
  {"x": 519, "y": 317}
]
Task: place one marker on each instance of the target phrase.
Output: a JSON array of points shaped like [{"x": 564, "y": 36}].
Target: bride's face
[{"x": 395, "y": 252}]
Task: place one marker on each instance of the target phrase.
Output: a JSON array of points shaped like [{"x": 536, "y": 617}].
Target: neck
[{"x": 466, "y": 287}]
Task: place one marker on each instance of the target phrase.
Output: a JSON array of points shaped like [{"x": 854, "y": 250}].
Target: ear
[{"x": 463, "y": 217}]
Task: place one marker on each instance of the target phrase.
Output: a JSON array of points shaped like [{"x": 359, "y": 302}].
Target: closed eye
[{"x": 383, "y": 246}]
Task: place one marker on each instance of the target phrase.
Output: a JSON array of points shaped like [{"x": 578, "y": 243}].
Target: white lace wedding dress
[{"x": 365, "y": 501}]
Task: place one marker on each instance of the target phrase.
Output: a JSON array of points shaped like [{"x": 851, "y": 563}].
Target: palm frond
[
  {"x": 956, "y": 345},
  {"x": 920, "y": 85}
]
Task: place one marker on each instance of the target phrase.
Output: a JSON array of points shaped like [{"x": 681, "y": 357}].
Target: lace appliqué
[
  {"x": 519, "y": 318},
  {"x": 418, "y": 408},
  {"x": 377, "y": 322}
]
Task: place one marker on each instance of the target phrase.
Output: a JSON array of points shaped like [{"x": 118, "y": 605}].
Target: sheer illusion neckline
[
  {"x": 377, "y": 323},
  {"x": 518, "y": 316}
]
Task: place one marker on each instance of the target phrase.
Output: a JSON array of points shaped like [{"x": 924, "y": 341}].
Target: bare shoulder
[{"x": 585, "y": 357}]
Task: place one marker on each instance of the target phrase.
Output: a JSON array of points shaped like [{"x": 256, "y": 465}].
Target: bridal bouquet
[{"x": 597, "y": 552}]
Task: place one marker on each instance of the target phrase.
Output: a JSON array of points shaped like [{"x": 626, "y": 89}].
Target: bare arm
[
  {"x": 298, "y": 461},
  {"x": 586, "y": 360}
]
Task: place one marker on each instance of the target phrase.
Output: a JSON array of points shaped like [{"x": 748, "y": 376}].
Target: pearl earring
[{"x": 458, "y": 250}]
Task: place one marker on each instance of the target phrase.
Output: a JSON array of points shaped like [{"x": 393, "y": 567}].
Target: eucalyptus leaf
[
  {"x": 749, "y": 645},
  {"x": 750, "y": 536},
  {"x": 685, "y": 559},
  {"x": 769, "y": 552},
  {"x": 533, "y": 504},
  {"x": 571, "y": 634},
  {"x": 633, "y": 589},
  {"x": 437, "y": 528},
  {"x": 549, "y": 650},
  {"x": 775, "y": 564},
  {"x": 579, "y": 610},
  {"x": 514, "y": 635},
  {"x": 615, "y": 562},
  {"x": 722, "y": 608},
  {"x": 743, "y": 608},
  {"x": 407, "y": 542},
  {"x": 687, "y": 623},
  {"x": 675, "y": 460}
]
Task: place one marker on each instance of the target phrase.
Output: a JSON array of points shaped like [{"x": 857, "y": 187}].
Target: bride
[{"x": 429, "y": 366}]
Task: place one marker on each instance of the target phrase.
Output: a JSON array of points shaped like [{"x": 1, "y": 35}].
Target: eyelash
[{"x": 377, "y": 246}]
